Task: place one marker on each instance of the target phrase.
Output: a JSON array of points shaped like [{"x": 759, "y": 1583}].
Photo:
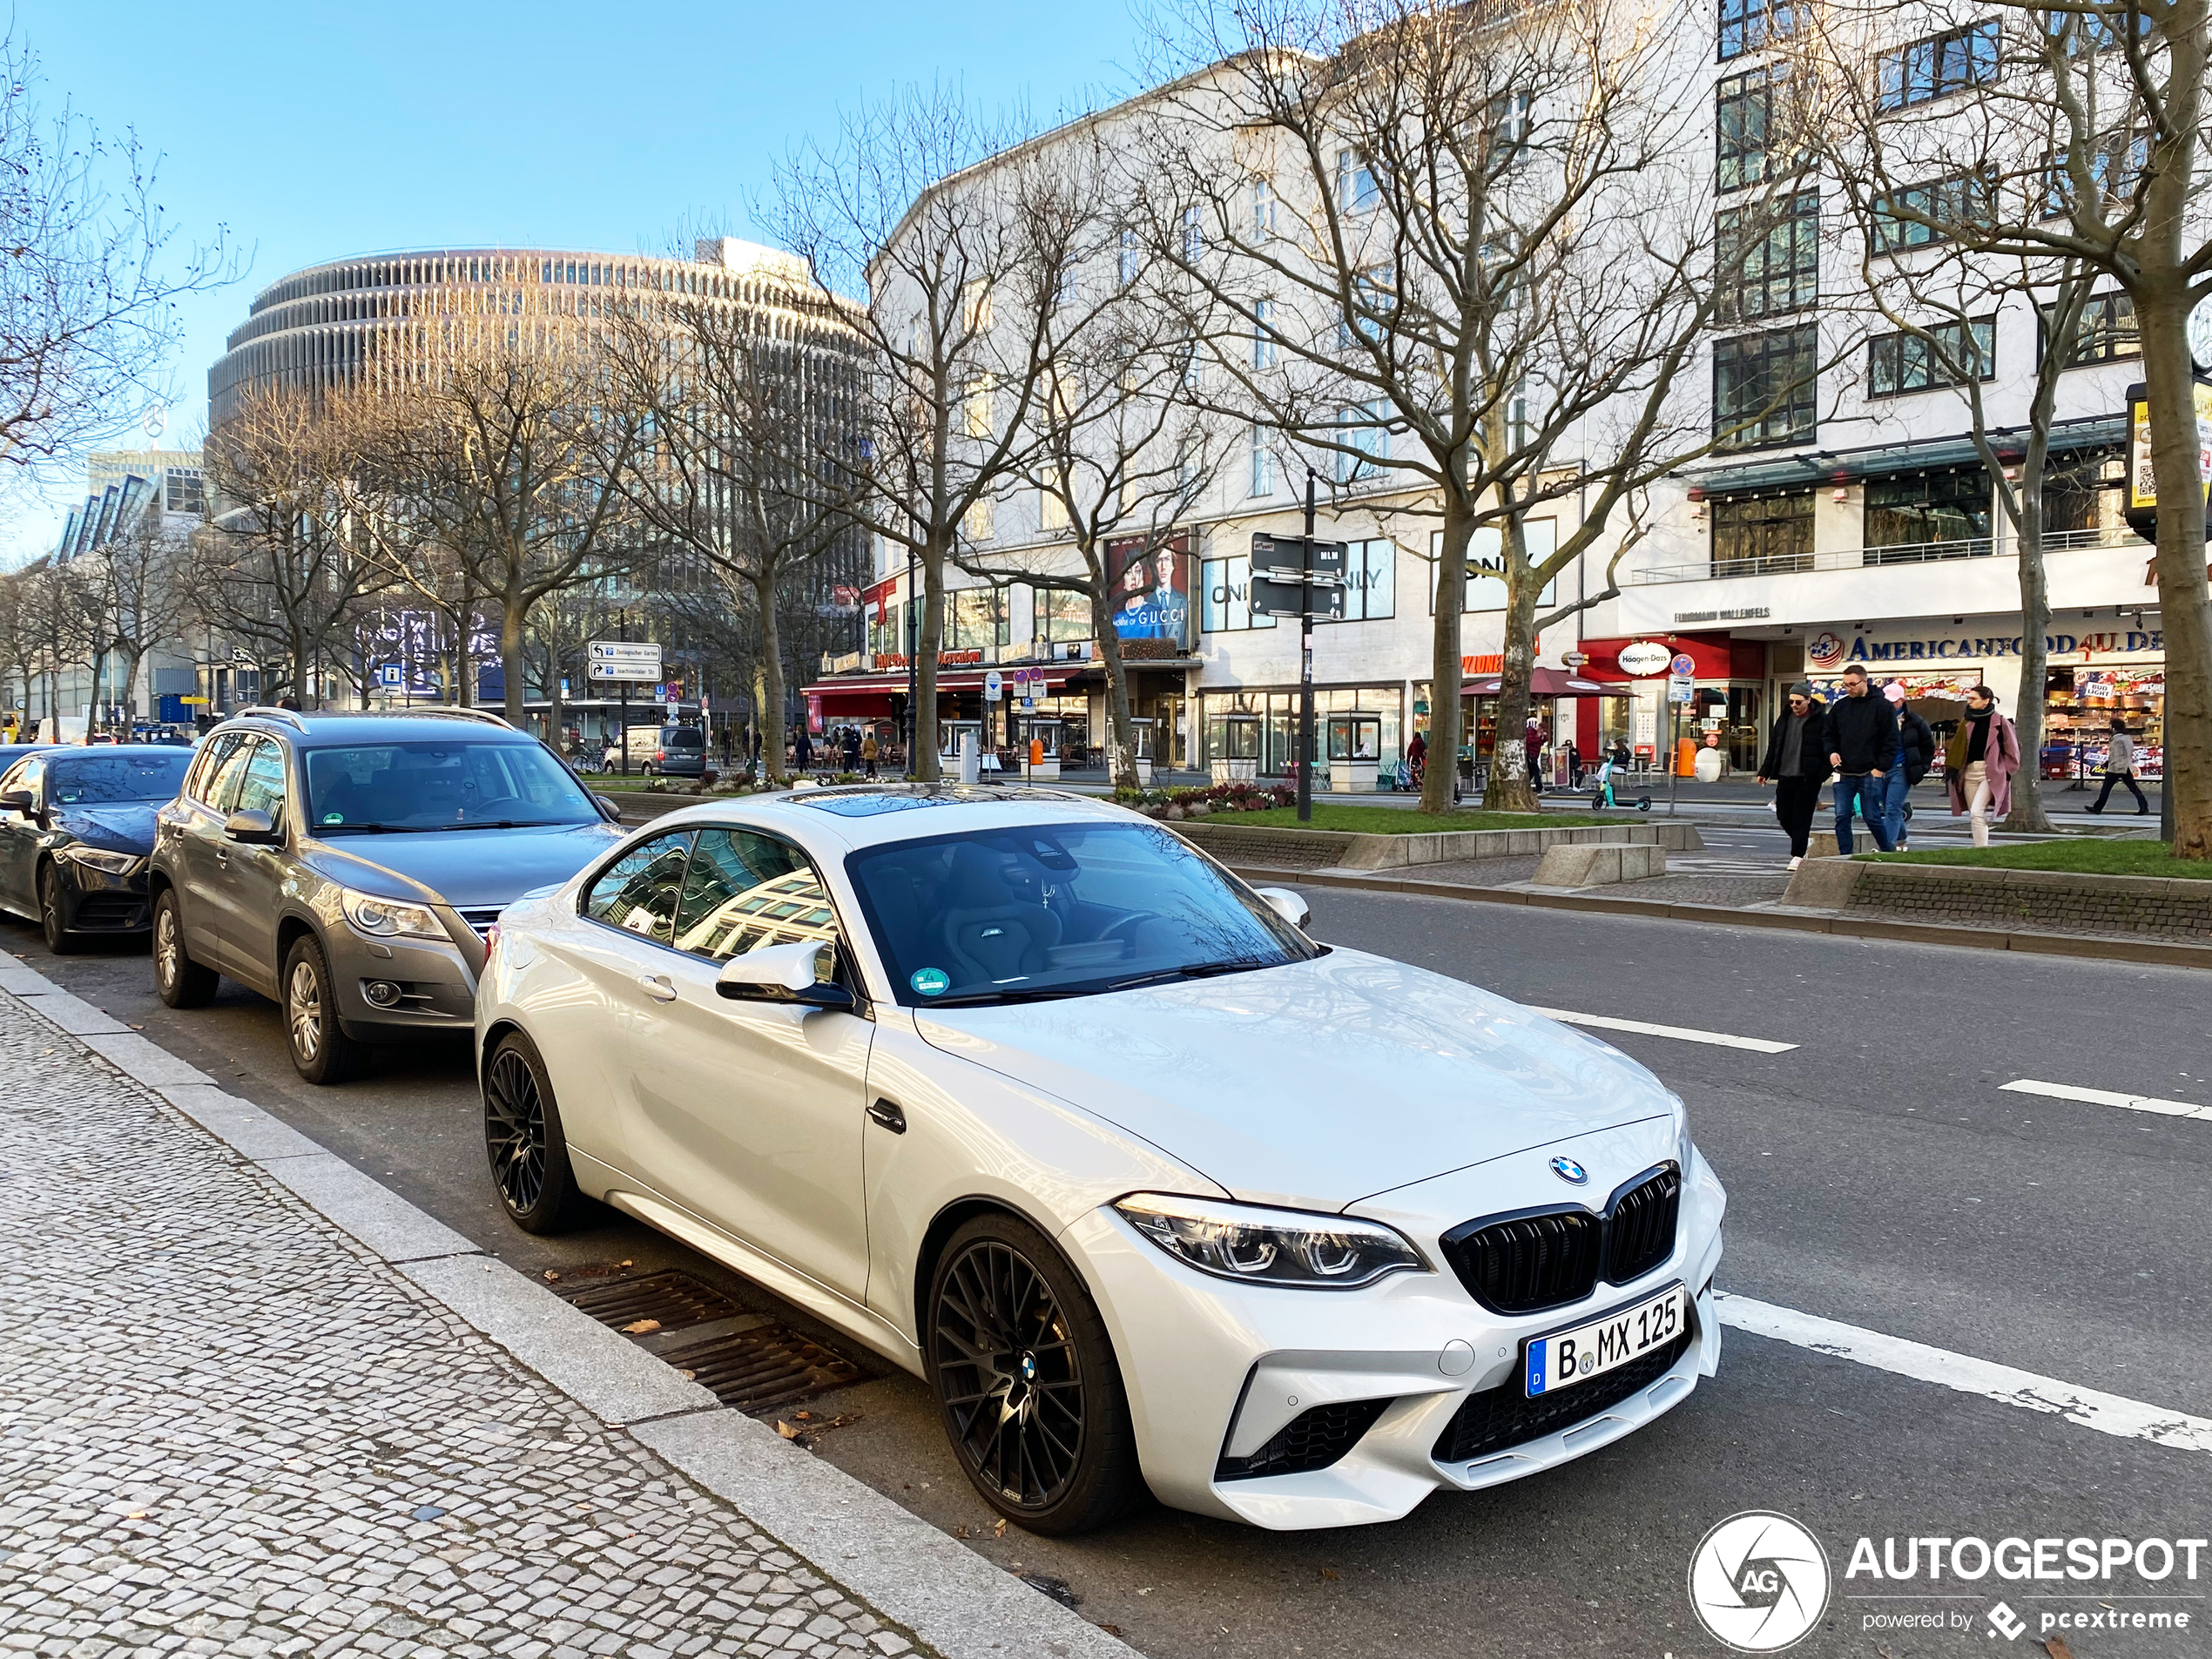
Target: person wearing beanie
[{"x": 1916, "y": 749}]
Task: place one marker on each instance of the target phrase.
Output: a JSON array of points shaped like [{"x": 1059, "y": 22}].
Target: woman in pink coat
[{"x": 1979, "y": 761}]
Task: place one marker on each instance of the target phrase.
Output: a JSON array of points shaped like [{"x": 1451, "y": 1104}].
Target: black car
[{"x": 76, "y": 828}]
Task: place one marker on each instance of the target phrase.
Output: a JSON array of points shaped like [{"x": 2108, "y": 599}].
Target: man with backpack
[{"x": 1915, "y": 756}]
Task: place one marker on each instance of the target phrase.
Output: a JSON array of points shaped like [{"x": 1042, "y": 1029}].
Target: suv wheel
[
  {"x": 321, "y": 1052},
  {"x": 529, "y": 1154},
  {"x": 181, "y": 981},
  {"x": 53, "y": 914}
]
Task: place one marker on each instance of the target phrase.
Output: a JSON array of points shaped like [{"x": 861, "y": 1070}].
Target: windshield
[
  {"x": 1058, "y": 910},
  {"x": 442, "y": 783},
  {"x": 101, "y": 780}
]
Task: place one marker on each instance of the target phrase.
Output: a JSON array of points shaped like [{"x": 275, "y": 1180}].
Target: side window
[
  {"x": 208, "y": 768},
  {"x": 28, "y": 774},
  {"x": 260, "y": 787},
  {"x": 639, "y": 891},
  {"x": 745, "y": 890}
]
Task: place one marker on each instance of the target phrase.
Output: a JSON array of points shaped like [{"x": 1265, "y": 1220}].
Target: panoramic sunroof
[{"x": 872, "y": 805}]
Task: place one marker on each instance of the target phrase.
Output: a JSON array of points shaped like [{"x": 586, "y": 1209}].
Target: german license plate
[{"x": 1549, "y": 1363}]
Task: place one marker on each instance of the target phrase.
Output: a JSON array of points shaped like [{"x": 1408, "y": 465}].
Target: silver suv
[{"x": 349, "y": 867}]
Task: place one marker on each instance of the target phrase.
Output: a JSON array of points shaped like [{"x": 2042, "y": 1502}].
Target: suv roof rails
[
  {"x": 291, "y": 717},
  {"x": 451, "y": 711}
]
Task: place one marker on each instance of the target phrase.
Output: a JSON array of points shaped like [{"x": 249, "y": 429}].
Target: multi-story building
[{"x": 1850, "y": 520}]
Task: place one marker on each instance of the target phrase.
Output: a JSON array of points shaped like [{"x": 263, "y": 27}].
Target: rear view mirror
[
  {"x": 782, "y": 973},
  {"x": 252, "y": 828},
  {"x": 1286, "y": 904},
  {"x": 609, "y": 809}
]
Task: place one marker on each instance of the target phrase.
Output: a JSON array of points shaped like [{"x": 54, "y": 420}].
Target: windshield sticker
[
  {"x": 333, "y": 817},
  {"x": 931, "y": 981}
]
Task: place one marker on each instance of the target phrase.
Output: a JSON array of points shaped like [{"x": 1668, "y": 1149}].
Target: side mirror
[
  {"x": 1286, "y": 904},
  {"x": 609, "y": 809},
  {"x": 782, "y": 973},
  {"x": 252, "y": 829},
  {"x": 17, "y": 800}
]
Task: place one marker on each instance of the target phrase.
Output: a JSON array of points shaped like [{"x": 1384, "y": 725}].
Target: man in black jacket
[
  {"x": 1862, "y": 747},
  {"x": 1797, "y": 764}
]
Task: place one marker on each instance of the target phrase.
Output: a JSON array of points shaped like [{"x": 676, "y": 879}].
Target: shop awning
[
  {"x": 1841, "y": 466},
  {"x": 1544, "y": 682},
  {"x": 870, "y": 693}
]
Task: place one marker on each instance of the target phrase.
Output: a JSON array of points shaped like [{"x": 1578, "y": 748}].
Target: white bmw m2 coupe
[{"x": 1029, "y": 1096}]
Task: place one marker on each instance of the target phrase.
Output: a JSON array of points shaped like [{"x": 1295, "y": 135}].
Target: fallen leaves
[
  {"x": 998, "y": 1529},
  {"x": 788, "y": 1431},
  {"x": 1330, "y": 1573},
  {"x": 2055, "y": 1646},
  {"x": 963, "y": 1531},
  {"x": 640, "y": 1327}
]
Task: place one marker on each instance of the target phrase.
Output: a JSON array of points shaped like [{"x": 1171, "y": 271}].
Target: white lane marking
[
  {"x": 1682, "y": 1033},
  {"x": 2129, "y": 1420},
  {"x": 2109, "y": 1097}
]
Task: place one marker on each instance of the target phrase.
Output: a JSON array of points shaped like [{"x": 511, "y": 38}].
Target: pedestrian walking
[
  {"x": 1915, "y": 748},
  {"x": 1417, "y": 758},
  {"x": 852, "y": 748},
  {"x": 2120, "y": 768},
  {"x": 1574, "y": 757},
  {"x": 803, "y": 747},
  {"x": 1862, "y": 747},
  {"x": 1979, "y": 762},
  {"x": 1532, "y": 751},
  {"x": 1797, "y": 764},
  {"x": 869, "y": 752},
  {"x": 726, "y": 746}
]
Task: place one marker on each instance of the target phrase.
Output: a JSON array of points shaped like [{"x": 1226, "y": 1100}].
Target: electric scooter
[{"x": 1603, "y": 795}]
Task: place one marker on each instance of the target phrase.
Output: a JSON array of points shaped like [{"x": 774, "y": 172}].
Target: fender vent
[{"x": 1313, "y": 1439}]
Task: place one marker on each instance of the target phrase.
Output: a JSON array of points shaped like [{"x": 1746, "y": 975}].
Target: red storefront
[{"x": 1731, "y": 677}]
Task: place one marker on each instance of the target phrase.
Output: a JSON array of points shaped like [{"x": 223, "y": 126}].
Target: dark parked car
[
  {"x": 349, "y": 867},
  {"x": 75, "y": 829}
]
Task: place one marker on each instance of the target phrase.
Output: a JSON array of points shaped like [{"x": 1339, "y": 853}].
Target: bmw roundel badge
[{"x": 1567, "y": 1169}]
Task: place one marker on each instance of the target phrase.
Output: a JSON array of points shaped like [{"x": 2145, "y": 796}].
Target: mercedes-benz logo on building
[{"x": 1758, "y": 1581}]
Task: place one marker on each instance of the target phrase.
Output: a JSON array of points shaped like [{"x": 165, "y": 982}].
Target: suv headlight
[
  {"x": 101, "y": 858},
  {"x": 1285, "y": 1247},
  {"x": 390, "y": 919}
]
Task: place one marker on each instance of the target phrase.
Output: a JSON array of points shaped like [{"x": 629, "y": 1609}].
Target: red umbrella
[{"x": 1545, "y": 682}]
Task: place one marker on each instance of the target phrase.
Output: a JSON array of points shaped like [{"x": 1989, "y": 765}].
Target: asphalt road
[{"x": 1878, "y": 1176}]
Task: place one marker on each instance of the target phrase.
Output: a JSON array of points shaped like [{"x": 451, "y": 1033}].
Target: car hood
[
  {"x": 468, "y": 869},
  {"x": 123, "y": 825},
  {"x": 1314, "y": 1084}
]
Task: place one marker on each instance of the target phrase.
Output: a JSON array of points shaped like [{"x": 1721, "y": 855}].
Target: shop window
[
  {"x": 1762, "y": 534},
  {"x": 1766, "y": 388},
  {"x": 1945, "y": 354},
  {"x": 976, "y": 618},
  {"x": 1768, "y": 258},
  {"x": 1062, "y": 615},
  {"x": 1486, "y": 579},
  {"x": 1370, "y": 581},
  {"x": 1944, "y": 514},
  {"x": 1224, "y": 605}
]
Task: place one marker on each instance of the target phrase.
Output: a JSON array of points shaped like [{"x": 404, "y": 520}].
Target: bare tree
[
  {"x": 963, "y": 272},
  {"x": 143, "y": 596},
  {"x": 92, "y": 274},
  {"x": 281, "y": 567},
  {"x": 18, "y": 638},
  {"x": 1459, "y": 255}
]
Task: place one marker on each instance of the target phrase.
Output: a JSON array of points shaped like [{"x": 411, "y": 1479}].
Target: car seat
[{"x": 989, "y": 937}]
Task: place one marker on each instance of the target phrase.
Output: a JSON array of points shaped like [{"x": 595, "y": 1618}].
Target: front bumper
[
  {"x": 1215, "y": 1370},
  {"x": 103, "y": 902},
  {"x": 435, "y": 986}
]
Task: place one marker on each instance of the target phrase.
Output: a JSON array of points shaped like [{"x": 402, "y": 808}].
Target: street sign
[
  {"x": 1273, "y": 597},
  {"x": 194, "y": 702},
  {"x": 993, "y": 685},
  {"x": 1679, "y": 690},
  {"x": 1685, "y": 667},
  {"x": 1286, "y": 556},
  {"x": 1643, "y": 657},
  {"x": 622, "y": 659}
]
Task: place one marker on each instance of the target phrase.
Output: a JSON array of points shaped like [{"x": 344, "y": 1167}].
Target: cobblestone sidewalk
[{"x": 227, "y": 1430}]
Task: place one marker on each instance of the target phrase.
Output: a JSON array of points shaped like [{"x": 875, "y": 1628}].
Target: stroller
[{"x": 1602, "y": 792}]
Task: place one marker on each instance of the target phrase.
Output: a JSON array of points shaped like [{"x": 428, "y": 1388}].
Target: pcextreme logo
[{"x": 1758, "y": 1581}]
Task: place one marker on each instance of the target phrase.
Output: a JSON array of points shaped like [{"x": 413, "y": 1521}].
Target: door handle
[
  {"x": 658, "y": 986},
  {"x": 886, "y": 1113}
]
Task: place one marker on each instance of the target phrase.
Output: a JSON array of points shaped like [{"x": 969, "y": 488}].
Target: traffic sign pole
[{"x": 1305, "y": 668}]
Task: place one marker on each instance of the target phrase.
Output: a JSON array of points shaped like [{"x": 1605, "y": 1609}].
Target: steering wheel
[
  {"x": 497, "y": 806},
  {"x": 1115, "y": 928}
]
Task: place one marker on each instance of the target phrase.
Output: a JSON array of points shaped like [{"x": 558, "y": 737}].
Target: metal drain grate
[
  {"x": 765, "y": 1366},
  {"x": 675, "y": 1299}
]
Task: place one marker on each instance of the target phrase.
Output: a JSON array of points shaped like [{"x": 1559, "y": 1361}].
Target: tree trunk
[
  {"x": 1443, "y": 764},
  {"x": 1506, "y": 789},
  {"x": 922, "y": 763},
  {"x": 771, "y": 678},
  {"x": 2184, "y": 603},
  {"x": 512, "y": 671},
  {"x": 1121, "y": 744},
  {"x": 131, "y": 686},
  {"x": 2027, "y": 815}
]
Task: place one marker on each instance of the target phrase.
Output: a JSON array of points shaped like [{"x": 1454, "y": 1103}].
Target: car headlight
[
  {"x": 1285, "y": 1247},
  {"x": 101, "y": 858},
  {"x": 390, "y": 919}
]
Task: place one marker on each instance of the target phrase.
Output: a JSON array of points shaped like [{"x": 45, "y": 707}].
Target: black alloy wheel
[
  {"x": 1026, "y": 1382},
  {"x": 54, "y": 910},
  {"x": 178, "y": 980},
  {"x": 523, "y": 1136}
]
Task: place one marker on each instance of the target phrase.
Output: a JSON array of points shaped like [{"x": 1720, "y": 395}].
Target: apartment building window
[
  {"x": 1744, "y": 108},
  {"x": 1126, "y": 269},
  {"x": 1768, "y": 257},
  {"x": 1766, "y": 389},
  {"x": 1937, "y": 66},
  {"x": 1262, "y": 464},
  {"x": 976, "y": 407},
  {"x": 1372, "y": 300},
  {"x": 976, "y": 618},
  {"x": 1052, "y": 504},
  {"x": 1762, "y": 534},
  {"x": 1746, "y": 26},
  {"x": 1263, "y": 206},
  {"x": 1360, "y": 425},
  {"x": 975, "y": 523},
  {"x": 1933, "y": 510},
  {"x": 1262, "y": 333},
  {"x": 1356, "y": 192},
  {"x": 1507, "y": 116},
  {"x": 2104, "y": 333},
  {"x": 2117, "y": 169},
  {"x": 1946, "y": 354},
  {"x": 1193, "y": 236},
  {"x": 1922, "y": 215},
  {"x": 2078, "y": 34}
]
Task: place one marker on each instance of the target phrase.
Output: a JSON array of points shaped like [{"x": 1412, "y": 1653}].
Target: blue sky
[{"x": 314, "y": 130}]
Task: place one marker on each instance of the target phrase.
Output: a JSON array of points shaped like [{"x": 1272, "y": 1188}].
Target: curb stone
[{"x": 946, "y": 1596}]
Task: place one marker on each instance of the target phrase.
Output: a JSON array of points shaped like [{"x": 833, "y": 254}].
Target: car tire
[
  {"x": 54, "y": 912},
  {"x": 1040, "y": 1403},
  {"x": 178, "y": 980},
  {"x": 320, "y": 1051},
  {"x": 524, "y": 1138}
]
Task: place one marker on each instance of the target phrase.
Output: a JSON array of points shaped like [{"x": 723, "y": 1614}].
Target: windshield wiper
[
  {"x": 1194, "y": 970},
  {"x": 506, "y": 823},
  {"x": 363, "y": 829},
  {"x": 977, "y": 999}
]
